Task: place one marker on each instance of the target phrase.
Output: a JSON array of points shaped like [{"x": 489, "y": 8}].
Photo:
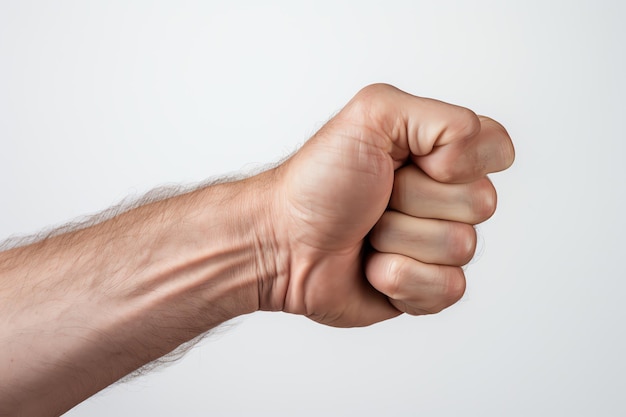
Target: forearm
[{"x": 81, "y": 310}]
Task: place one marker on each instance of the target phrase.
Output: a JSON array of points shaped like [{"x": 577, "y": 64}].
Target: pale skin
[{"x": 370, "y": 219}]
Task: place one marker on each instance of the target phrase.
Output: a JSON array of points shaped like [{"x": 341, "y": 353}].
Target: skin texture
[{"x": 371, "y": 218}]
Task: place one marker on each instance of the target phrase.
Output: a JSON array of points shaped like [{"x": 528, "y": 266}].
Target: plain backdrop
[{"x": 100, "y": 100}]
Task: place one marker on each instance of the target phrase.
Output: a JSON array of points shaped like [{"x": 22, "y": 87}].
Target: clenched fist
[{"x": 374, "y": 215}]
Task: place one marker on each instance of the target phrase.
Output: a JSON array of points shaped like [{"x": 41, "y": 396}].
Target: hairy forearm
[{"x": 80, "y": 310}]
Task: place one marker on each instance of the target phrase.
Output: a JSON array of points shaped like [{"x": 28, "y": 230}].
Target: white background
[{"x": 101, "y": 100}]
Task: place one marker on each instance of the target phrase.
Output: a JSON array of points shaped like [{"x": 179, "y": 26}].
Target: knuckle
[
  {"x": 462, "y": 242},
  {"x": 484, "y": 200},
  {"x": 447, "y": 285},
  {"x": 396, "y": 271},
  {"x": 468, "y": 123},
  {"x": 453, "y": 287},
  {"x": 373, "y": 90},
  {"x": 368, "y": 109},
  {"x": 367, "y": 98}
]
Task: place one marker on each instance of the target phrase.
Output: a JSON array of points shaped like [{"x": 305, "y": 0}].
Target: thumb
[{"x": 411, "y": 127}]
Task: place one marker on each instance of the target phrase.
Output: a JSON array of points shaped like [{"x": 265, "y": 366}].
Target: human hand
[{"x": 407, "y": 171}]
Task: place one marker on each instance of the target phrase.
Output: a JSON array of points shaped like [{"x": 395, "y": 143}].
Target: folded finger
[
  {"x": 418, "y": 195},
  {"x": 415, "y": 287},
  {"x": 426, "y": 240}
]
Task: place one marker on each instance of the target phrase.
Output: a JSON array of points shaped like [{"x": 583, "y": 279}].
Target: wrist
[
  {"x": 229, "y": 251},
  {"x": 262, "y": 221},
  {"x": 234, "y": 240}
]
